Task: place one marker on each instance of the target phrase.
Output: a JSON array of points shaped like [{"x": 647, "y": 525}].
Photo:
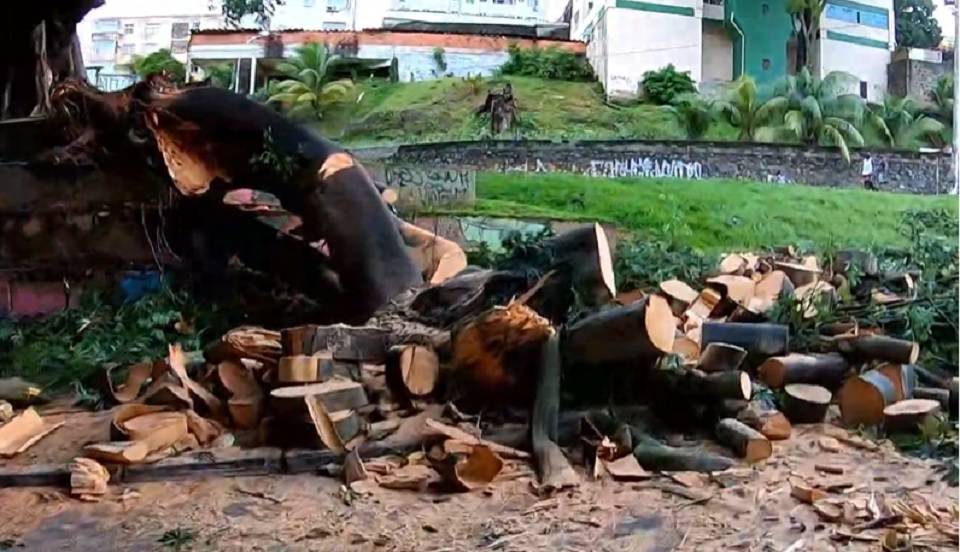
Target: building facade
[{"x": 718, "y": 40}]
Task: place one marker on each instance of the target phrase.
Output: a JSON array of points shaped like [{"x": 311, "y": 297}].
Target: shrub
[
  {"x": 664, "y": 85},
  {"x": 547, "y": 63}
]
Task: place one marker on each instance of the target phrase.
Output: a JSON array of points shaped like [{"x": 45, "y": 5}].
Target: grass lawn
[{"x": 710, "y": 215}]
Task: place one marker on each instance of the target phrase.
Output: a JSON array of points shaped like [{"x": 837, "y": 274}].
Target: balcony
[{"x": 713, "y": 9}]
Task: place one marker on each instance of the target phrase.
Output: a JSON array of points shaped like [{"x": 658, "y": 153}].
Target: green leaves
[
  {"x": 664, "y": 86},
  {"x": 916, "y": 25},
  {"x": 310, "y": 91},
  {"x": 547, "y": 63}
]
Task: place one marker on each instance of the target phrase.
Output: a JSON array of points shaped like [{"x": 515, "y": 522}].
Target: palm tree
[
  {"x": 820, "y": 112},
  {"x": 942, "y": 98},
  {"x": 903, "y": 123},
  {"x": 310, "y": 90},
  {"x": 694, "y": 113},
  {"x": 743, "y": 108}
]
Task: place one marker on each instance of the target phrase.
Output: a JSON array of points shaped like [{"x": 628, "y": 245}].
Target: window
[
  {"x": 309, "y": 3},
  {"x": 507, "y": 2},
  {"x": 104, "y": 49},
  {"x": 106, "y": 25},
  {"x": 874, "y": 19},
  {"x": 765, "y": 9},
  {"x": 842, "y": 13},
  {"x": 127, "y": 49},
  {"x": 589, "y": 6},
  {"x": 195, "y": 25},
  {"x": 334, "y": 26},
  {"x": 178, "y": 47},
  {"x": 337, "y": 5},
  {"x": 863, "y": 89},
  {"x": 765, "y": 64},
  {"x": 151, "y": 30},
  {"x": 180, "y": 30},
  {"x": 128, "y": 28}
]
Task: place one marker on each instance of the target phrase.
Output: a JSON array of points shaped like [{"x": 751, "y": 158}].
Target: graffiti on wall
[
  {"x": 619, "y": 167},
  {"x": 439, "y": 186}
]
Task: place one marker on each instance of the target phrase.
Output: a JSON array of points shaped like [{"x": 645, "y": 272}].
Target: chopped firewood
[
  {"x": 679, "y": 295},
  {"x": 117, "y": 452},
  {"x": 470, "y": 471},
  {"x": 440, "y": 428},
  {"x": 245, "y": 412},
  {"x": 23, "y": 431},
  {"x": 21, "y": 393},
  {"x": 909, "y": 414},
  {"x": 772, "y": 286},
  {"x": 168, "y": 393},
  {"x": 902, "y": 376},
  {"x": 438, "y": 258},
  {"x": 738, "y": 289},
  {"x": 157, "y": 430},
  {"x": 88, "y": 479},
  {"x": 360, "y": 343},
  {"x": 137, "y": 375},
  {"x": 245, "y": 342},
  {"x": 721, "y": 357},
  {"x": 204, "y": 429},
  {"x": 238, "y": 379},
  {"x": 687, "y": 348},
  {"x": 326, "y": 429},
  {"x": 690, "y": 382},
  {"x": 379, "y": 430},
  {"x": 829, "y": 468},
  {"x": 644, "y": 330},
  {"x": 336, "y": 394},
  {"x": 626, "y": 469},
  {"x": 854, "y": 441},
  {"x": 413, "y": 370},
  {"x": 353, "y": 468},
  {"x": 813, "y": 294},
  {"x": 6, "y": 411},
  {"x": 384, "y": 464},
  {"x": 125, "y": 412},
  {"x": 747, "y": 442},
  {"x": 879, "y": 347},
  {"x": 178, "y": 365},
  {"x": 805, "y": 493},
  {"x": 942, "y": 396},
  {"x": 772, "y": 423},
  {"x": 828, "y": 511},
  {"x": 829, "y": 444},
  {"x": 804, "y": 403},
  {"x": 704, "y": 304},
  {"x": 412, "y": 477},
  {"x": 863, "y": 398},
  {"x": 760, "y": 339},
  {"x": 298, "y": 369},
  {"x": 553, "y": 468},
  {"x": 799, "y": 274},
  {"x": 828, "y": 370},
  {"x": 732, "y": 264}
]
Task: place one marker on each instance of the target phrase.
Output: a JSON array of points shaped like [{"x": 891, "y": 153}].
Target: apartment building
[{"x": 719, "y": 40}]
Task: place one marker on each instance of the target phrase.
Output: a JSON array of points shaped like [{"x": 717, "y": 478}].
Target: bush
[
  {"x": 547, "y": 63},
  {"x": 663, "y": 86}
]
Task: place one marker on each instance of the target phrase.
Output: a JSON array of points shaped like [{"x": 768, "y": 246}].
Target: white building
[{"x": 719, "y": 40}]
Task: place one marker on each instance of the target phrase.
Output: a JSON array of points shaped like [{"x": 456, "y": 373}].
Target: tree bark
[
  {"x": 747, "y": 442},
  {"x": 828, "y": 370},
  {"x": 621, "y": 334},
  {"x": 758, "y": 339},
  {"x": 553, "y": 467},
  {"x": 805, "y": 404}
]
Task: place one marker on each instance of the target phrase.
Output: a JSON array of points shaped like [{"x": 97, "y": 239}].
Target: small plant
[
  {"x": 664, "y": 86},
  {"x": 440, "y": 59},
  {"x": 178, "y": 539},
  {"x": 547, "y": 63},
  {"x": 272, "y": 158}
]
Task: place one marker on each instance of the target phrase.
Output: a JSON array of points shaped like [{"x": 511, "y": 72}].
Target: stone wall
[
  {"x": 914, "y": 72},
  {"x": 922, "y": 173}
]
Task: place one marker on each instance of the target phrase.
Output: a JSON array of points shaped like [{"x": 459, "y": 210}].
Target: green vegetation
[
  {"x": 711, "y": 215},
  {"x": 546, "y": 63},
  {"x": 160, "y": 61},
  {"x": 310, "y": 90},
  {"x": 664, "y": 86},
  {"x": 916, "y": 25}
]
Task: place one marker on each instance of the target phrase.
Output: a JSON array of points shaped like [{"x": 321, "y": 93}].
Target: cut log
[
  {"x": 879, "y": 347},
  {"x": 679, "y": 295},
  {"x": 238, "y": 379},
  {"x": 117, "y": 452},
  {"x": 814, "y": 295},
  {"x": 800, "y": 275},
  {"x": 687, "y": 348},
  {"x": 773, "y": 285},
  {"x": 168, "y": 393},
  {"x": 581, "y": 259},
  {"x": 158, "y": 430},
  {"x": 322, "y": 421},
  {"x": 245, "y": 342},
  {"x": 23, "y": 431},
  {"x": 204, "y": 429},
  {"x": 804, "y": 403},
  {"x": 495, "y": 353},
  {"x": 177, "y": 361},
  {"x": 412, "y": 370},
  {"x": 828, "y": 370},
  {"x": 863, "y": 398},
  {"x": 909, "y": 415},
  {"x": 721, "y": 357},
  {"x": 747, "y": 442},
  {"x": 298, "y": 369},
  {"x": 359, "y": 343},
  {"x": 125, "y": 412},
  {"x": 470, "y": 471},
  {"x": 438, "y": 259},
  {"x": 88, "y": 479},
  {"x": 245, "y": 412},
  {"x": 704, "y": 304},
  {"x": 137, "y": 375},
  {"x": 553, "y": 468},
  {"x": 942, "y": 396},
  {"x": 412, "y": 477},
  {"x": 439, "y": 428},
  {"x": 903, "y": 377},
  {"x": 622, "y": 334},
  {"x": 756, "y": 339},
  {"x": 671, "y": 383},
  {"x": 21, "y": 393},
  {"x": 733, "y": 263},
  {"x": 336, "y": 394},
  {"x": 772, "y": 423},
  {"x": 738, "y": 289}
]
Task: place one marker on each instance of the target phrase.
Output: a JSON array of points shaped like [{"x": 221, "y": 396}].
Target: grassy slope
[
  {"x": 443, "y": 110},
  {"x": 710, "y": 214}
]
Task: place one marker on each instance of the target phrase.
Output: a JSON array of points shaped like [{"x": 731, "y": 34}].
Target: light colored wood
[
  {"x": 238, "y": 379},
  {"x": 336, "y": 394},
  {"x": 325, "y": 427},
  {"x": 471, "y": 471},
  {"x": 863, "y": 398},
  {"x": 419, "y": 369},
  {"x": 137, "y": 375},
  {"x": 770, "y": 286},
  {"x": 679, "y": 294},
  {"x": 805, "y": 493},
  {"x": 909, "y": 414},
  {"x": 23, "y": 431},
  {"x": 705, "y": 303},
  {"x": 687, "y": 348},
  {"x": 177, "y": 361},
  {"x": 738, "y": 289},
  {"x": 298, "y": 369},
  {"x": 204, "y": 429},
  {"x": 117, "y": 452},
  {"x": 88, "y": 479},
  {"x": 799, "y": 275},
  {"x": 438, "y": 258},
  {"x": 747, "y": 442},
  {"x": 158, "y": 430},
  {"x": 353, "y": 468},
  {"x": 880, "y": 347},
  {"x": 412, "y": 477},
  {"x": 458, "y": 434},
  {"x": 168, "y": 393},
  {"x": 245, "y": 412},
  {"x": 626, "y": 469}
]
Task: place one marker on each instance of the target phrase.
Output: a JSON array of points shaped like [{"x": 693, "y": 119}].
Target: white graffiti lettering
[{"x": 645, "y": 166}]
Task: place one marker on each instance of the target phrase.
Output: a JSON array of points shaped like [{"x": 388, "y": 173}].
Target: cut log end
[
  {"x": 747, "y": 442},
  {"x": 606, "y": 262},
  {"x": 909, "y": 414},
  {"x": 806, "y": 404},
  {"x": 420, "y": 368},
  {"x": 660, "y": 323}
]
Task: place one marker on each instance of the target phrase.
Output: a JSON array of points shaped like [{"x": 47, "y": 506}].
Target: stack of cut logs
[{"x": 522, "y": 334}]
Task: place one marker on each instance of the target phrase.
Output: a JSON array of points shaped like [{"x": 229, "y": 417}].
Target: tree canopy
[
  {"x": 160, "y": 61},
  {"x": 234, "y": 10},
  {"x": 916, "y": 25}
]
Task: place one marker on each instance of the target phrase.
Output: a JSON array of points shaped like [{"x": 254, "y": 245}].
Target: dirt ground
[{"x": 747, "y": 508}]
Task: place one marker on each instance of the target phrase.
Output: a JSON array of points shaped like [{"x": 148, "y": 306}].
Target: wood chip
[
  {"x": 460, "y": 435},
  {"x": 626, "y": 469},
  {"x": 23, "y": 431}
]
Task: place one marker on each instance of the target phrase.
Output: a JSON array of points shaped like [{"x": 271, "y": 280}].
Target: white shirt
[{"x": 867, "y": 169}]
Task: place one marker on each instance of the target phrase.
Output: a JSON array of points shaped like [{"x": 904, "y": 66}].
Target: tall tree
[
  {"x": 806, "y": 15},
  {"x": 234, "y": 10},
  {"x": 744, "y": 109},
  {"x": 916, "y": 25},
  {"x": 902, "y": 122}
]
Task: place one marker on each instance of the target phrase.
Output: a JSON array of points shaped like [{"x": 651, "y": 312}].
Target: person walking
[{"x": 866, "y": 172}]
